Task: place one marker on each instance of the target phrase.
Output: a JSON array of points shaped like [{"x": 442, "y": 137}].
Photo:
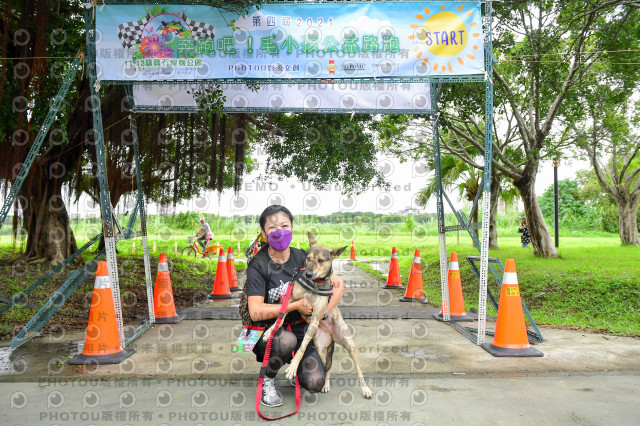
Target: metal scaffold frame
[{"x": 110, "y": 223}]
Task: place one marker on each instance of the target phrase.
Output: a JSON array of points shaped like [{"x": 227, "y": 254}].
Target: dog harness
[{"x": 321, "y": 287}]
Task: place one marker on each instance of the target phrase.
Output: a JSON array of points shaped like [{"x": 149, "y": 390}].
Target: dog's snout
[{"x": 308, "y": 274}]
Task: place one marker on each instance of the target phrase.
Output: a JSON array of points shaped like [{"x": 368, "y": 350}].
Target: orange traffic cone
[
  {"x": 510, "y": 337},
  {"x": 353, "y": 252},
  {"x": 102, "y": 342},
  {"x": 415, "y": 287},
  {"x": 221, "y": 283},
  {"x": 163, "y": 303},
  {"x": 255, "y": 248},
  {"x": 231, "y": 271},
  {"x": 393, "y": 279},
  {"x": 456, "y": 301}
]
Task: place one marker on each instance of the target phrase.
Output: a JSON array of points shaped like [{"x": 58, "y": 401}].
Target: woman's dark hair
[{"x": 272, "y": 210}]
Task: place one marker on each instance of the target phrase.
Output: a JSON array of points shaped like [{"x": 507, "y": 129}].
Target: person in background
[
  {"x": 204, "y": 234},
  {"x": 525, "y": 238}
]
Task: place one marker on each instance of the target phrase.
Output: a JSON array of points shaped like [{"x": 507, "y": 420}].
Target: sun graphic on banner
[{"x": 445, "y": 34}]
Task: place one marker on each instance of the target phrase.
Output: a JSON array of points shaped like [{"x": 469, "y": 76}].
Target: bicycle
[{"x": 193, "y": 249}]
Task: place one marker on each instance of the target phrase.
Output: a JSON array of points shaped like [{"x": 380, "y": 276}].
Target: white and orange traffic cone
[
  {"x": 221, "y": 282},
  {"x": 163, "y": 303},
  {"x": 393, "y": 279},
  {"x": 102, "y": 342},
  {"x": 456, "y": 300},
  {"x": 415, "y": 286},
  {"x": 231, "y": 271},
  {"x": 510, "y": 339},
  {"x": 352, "y": 256}
]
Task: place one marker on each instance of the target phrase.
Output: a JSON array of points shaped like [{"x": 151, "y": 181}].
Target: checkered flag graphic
[
  {"x": 130, "y": 33},
  {"x": 199, "y": 29},
  {"x": 275, "y": 294}
]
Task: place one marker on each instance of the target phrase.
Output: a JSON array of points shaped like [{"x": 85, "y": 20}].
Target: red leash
[{"x": 265, "y": 361}]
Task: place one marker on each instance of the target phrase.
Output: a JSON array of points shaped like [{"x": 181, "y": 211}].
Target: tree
[
  {"x": 40, "y": 30},
  {"x": 455, "y": 174},
  {"x": 543, "y": 50},
  {"x": 608, "y": 132},
  {"x": 321, "y": 149},
  {"x": 569, "y": 202}
]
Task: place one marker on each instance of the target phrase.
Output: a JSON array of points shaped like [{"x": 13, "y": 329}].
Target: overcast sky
[{"x": 406, "y": 179}]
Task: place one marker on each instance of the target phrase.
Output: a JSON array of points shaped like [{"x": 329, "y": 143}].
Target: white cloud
[{"x": 364, "y": 23}]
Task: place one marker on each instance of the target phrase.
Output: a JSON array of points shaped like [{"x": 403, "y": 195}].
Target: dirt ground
[{"x": 190, "y": 286}]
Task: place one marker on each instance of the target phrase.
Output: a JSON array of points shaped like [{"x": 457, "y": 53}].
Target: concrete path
[
  {"x": 593, "y": 399},
  {"x": 421, "y": 371}
]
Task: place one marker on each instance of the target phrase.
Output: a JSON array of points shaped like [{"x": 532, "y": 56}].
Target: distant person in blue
[{"x": 525, "y": 238}]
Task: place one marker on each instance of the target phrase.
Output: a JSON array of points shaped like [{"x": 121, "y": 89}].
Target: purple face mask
[{"x": 280, "y": 239}]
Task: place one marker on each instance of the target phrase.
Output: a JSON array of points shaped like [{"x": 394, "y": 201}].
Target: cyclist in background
[{"x": 204, "y": 234}]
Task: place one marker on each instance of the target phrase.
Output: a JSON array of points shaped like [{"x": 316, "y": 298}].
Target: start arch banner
[{"x": 305, "y": 42}]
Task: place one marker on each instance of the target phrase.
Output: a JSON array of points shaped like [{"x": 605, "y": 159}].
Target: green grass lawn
[{"x": 593, "y": 285}]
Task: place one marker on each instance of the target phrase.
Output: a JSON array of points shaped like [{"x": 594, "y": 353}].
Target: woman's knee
[
  {"x": 312, "y": 374},
  {"x": 284, "y": 342}
]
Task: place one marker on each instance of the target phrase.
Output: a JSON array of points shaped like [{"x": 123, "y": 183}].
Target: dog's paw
[
  {"x": 326, "y": 387},
  {"x": 291, "y": 371},
  {"x": 367, "y": 392}
]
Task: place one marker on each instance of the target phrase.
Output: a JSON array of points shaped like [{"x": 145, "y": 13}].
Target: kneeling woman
[{"x": 264, "y": 294}]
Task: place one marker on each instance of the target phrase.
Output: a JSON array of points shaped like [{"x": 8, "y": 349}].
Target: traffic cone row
[
  {"x": 456, "y": 300},
  {"x": 102, "y": 341},
  {"x": 510, "y": 338},
  {"x": 226, "y": 279}
]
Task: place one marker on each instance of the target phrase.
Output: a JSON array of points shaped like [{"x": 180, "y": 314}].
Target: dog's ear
[
  {"x": 312, "y": 240},
  {"x": 337, "y": 252}
]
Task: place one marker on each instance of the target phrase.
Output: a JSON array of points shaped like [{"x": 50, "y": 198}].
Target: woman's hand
[{"x": 302, "y": 306}]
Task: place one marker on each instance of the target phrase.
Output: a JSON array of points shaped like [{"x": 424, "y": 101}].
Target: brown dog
[{"x": 324, "y": 332}]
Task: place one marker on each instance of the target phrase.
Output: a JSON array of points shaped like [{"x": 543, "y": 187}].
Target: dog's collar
[{"x": 315, "y": 286}]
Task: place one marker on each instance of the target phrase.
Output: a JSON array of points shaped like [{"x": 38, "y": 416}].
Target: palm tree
[
  {"x": 460, "y": 175},
  {"x": 455, "y": 174}
]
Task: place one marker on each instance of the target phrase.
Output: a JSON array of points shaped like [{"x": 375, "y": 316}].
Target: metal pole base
[
  {"x": 409, "y": 299},
  {"x": 465, "y": 317},
  {"x": 507, "y": 352},
  {"x": 115, "y": 358},
  {"x": 170, "y": 320}
]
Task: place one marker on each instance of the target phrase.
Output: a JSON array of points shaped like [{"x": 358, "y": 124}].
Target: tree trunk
[
  {"x": 46, "y": 221},
  {"x": 474, "y": 220},
  {"x": 493, "y": 221},
  {"x": 543, "y": 245},
  {"x": 628, "y": 221}
]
